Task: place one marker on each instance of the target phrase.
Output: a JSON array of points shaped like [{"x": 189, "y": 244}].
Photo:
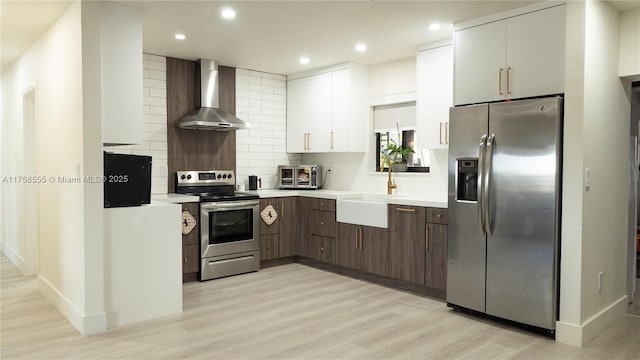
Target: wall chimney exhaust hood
[{"x": 209, "y": 116}]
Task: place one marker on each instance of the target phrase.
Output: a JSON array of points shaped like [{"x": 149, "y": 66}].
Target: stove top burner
[{"x": 210, "y": 186}]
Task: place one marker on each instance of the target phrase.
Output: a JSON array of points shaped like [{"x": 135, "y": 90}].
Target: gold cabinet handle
[
  {"x": 321, "y": 249},
  {"x": 332, "y": 137},
  {"x": 308, "y": 141},
  {"x": 361, "y": 237},
  {"x": 282, "y": 209},
  {"x": 440, "y": 135},
  {"x": 500, "y": 70},
  {"x": 356, "y": 238},
  {"x": 426, "y": 240},
  {"x": 406, "y": 210},
  {"x": 185, "y": 260},
  {"x": 321, "y": 222},
  {"x": 446, "y": 132},
  {"x": 508, "y": 81}
]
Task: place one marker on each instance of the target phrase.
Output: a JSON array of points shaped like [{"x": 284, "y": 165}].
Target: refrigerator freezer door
[
  {"x": 466, "y": 242},
  {"x": 523, "y": 213}
]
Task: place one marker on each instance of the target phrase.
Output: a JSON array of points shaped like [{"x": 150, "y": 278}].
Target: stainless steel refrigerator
[{"x": 505, "y": 162}]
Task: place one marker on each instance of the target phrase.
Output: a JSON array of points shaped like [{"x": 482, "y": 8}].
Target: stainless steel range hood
[{"x": 209, "y": 116}]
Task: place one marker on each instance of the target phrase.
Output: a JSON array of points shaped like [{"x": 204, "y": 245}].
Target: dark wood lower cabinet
[
  {"x": 322, "y": 248},
  {"x": 288, "y": 244},
  {"x": 374, "y": 245},
  {"x": 363, "y": 248},
  {"x": 191, "y": 245},
  {"x": 269, "y": 247},
  {"x": 407, "y": 243},
  {"x": 190, "y": 259},
  {"x": 436, "y": 256}
]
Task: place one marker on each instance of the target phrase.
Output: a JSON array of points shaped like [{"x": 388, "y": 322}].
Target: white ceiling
[{"x": 271, "y": 35}]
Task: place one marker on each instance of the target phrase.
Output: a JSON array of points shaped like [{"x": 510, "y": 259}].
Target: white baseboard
[
  {"x": 85, "y": 324},
  {"x": 580, "y": 335},
  {"x": 13, "y": 255},
  {"x": 595, "y": 324}
]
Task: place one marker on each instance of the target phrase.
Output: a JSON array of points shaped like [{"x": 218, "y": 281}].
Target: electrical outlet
[{"x": 600, "y": 278}]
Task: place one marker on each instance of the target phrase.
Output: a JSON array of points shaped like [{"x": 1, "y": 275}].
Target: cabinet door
[
  {"x": 309, "y": 113},
  {"x": 535, "y": 53},
  {"x": 303, "y": 230},
  {"x": 479, "y": 54},
  {"x": 192, "y": 238},
  {"x": 435, "y": 96},
  {"x": 275, "y": 226},
  {"x": 348, "y": 251},
  {"x": 327, "y": 248},
  {"x": 268, "y": 247},
  {"x": 288, "y": 215},
  {"x": 407, "y": 243},
  {"x": 436, "y": 259},
  {"x": 340, "y": 111},
  {"x": 190, "y": 259},
  {"x": 375, "y": 250}
]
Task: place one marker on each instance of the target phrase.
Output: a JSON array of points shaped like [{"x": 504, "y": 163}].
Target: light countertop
[{"x": 323, "y": 194}]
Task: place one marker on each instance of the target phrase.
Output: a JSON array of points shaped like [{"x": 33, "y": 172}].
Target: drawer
[
  {"x": 323, "y": 223},
  {"x": 323, "y": 204},
  {"x": 436, "y": 215}
]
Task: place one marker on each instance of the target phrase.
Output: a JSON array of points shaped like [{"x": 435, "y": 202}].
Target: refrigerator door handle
[
  {"x": 480, "y": 180},
  {"x": 486, "y": 198}
]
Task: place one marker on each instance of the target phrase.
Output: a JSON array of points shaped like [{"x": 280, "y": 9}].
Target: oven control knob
[
  {"x": 219, "y": 176},
  {"x": 229, "y": 176},
  {"x": 188, "y": 177},
  {"x": 224, "y": 176},
  {"x": 182, "y": 177}
]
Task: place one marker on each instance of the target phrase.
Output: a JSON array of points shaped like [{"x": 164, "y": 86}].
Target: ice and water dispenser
[{"x": 467, "y": 177}]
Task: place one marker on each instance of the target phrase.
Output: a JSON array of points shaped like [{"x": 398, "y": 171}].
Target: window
[{"x": 396, "y": 124}]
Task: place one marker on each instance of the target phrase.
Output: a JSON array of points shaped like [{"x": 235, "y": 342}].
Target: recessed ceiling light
[
  {"x": 361, "y": 47},
  {"x": 304, "y": 60},
  {"x": 434, "y": 27},
  {"x": 228, "y": 13},
  {"x": 181, "y": 36}
]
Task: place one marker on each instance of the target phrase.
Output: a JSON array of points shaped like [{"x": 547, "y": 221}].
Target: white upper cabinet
[
  {"x": 309, "y": 113},
  {"x": 121, "y": 74},
  {"x": 521, "y": 56},
  {"x": 327, "y": 111},
  {"x": 435, "y": 96}
]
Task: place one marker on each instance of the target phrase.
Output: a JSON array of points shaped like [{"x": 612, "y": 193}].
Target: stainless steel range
[{"x": 229, "y": 242}]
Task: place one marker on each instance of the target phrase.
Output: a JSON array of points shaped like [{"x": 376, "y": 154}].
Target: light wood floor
[{"x": 288, "y": 312}]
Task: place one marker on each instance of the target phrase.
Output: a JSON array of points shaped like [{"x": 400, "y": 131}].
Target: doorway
[
  {"x": 633, "y": 263},
  {"x": 29, "y": 194}
]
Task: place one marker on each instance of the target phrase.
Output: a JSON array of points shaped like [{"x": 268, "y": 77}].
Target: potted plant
[{"x": 398, "y": 156}]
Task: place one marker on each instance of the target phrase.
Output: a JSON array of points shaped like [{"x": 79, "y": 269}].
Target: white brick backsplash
[
  {"x": 155, "y": 65},
  {"x": 154, "y": 83},
  {"x": 274, "y": 83},
  {"x": 261, "y": 74},
  {"x": 261, "y": 99},
  {"x": 157, "y": 93},
  {"x": 155, "y": 101},
  {"x": 264, "y": 89},
  {"x": 154, "y": 122}
]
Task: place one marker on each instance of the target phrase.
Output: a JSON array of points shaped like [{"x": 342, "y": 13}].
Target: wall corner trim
[
  {"x": 13, "y": 255},
  {"x": 85, "y": 324},
  {"x": 580, "y": 335}
]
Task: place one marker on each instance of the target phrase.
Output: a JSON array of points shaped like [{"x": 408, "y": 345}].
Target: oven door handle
[{"x": 226, "y": 205}]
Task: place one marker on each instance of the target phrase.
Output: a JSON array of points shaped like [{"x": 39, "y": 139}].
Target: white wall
[
  {"x": 594, "y": 235},
  {"x": 154, "y": 128},
  {"x": 629, "y": 61},
  {"x": 261, "y": 99},
  {"x": 70, "y": 240},
  {"x": 355, "y": 171},
  {"x": 394, "y": 77}
]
